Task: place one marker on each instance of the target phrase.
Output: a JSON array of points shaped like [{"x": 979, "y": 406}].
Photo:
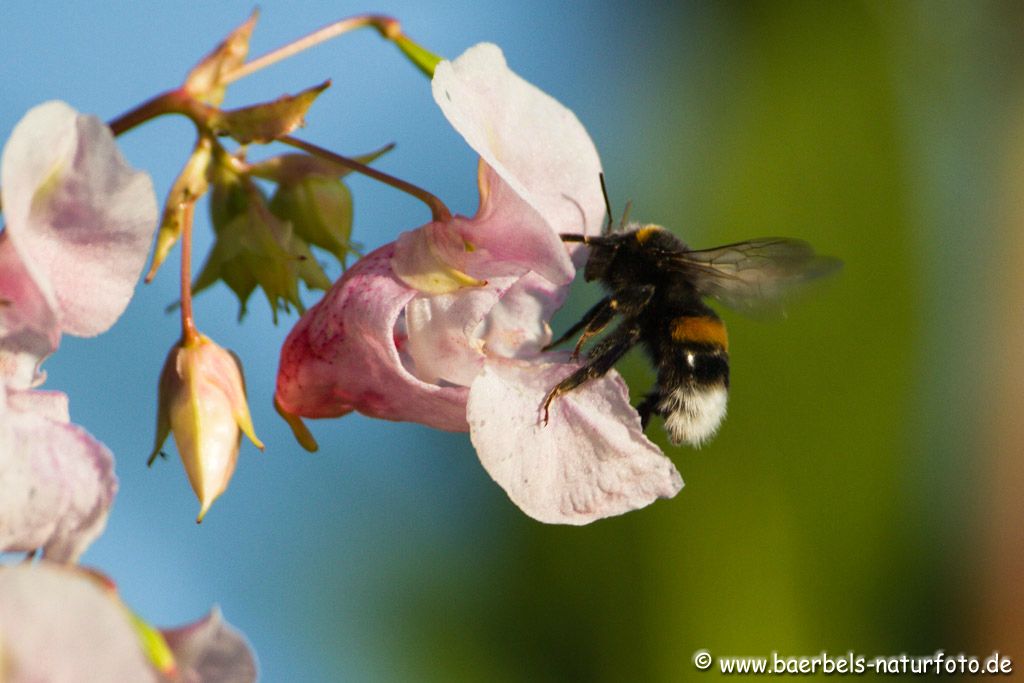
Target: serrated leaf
[{"x": 267, "y": 121}]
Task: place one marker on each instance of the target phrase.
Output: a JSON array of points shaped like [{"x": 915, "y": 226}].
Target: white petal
[
  {"x": 60, "y": 626},
  {"x": 58, "y": 482},
  {"x": 535, "y": 143},
  {"x": 81, "y": 219},
  {"x": 590, "y": 461},
  {"x": 348, "y": 351},
  {"x": 444, "y": 331},
  {"x": 516, "y": 326}
]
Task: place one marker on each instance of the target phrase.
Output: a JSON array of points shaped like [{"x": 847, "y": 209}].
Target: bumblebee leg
[
  {"x": 628, "y": 303},
  {"x": 646, "y": 407},
  {"x": 598, "y": 309},
  {"x": 602, "y": 358},
  {"x": 596, "y": 326}
]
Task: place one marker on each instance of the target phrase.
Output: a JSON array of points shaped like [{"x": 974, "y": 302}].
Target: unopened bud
[{"x": 202, "y": 402}]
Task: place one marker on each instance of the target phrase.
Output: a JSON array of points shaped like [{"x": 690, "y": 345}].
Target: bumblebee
[{"x": 656, "y": 288}]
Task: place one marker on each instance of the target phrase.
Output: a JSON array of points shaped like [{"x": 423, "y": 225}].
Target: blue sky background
[{"x": 852, "y": 498}]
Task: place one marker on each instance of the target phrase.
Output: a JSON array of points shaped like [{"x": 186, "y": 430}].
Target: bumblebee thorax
[{"x": 631, "y": 256}]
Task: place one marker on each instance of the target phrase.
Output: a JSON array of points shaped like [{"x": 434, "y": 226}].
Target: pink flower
[
  {"x": 60, "y": 623},
  {"x": 79, "y": 222},
  {"x": 445, "y": 326}
]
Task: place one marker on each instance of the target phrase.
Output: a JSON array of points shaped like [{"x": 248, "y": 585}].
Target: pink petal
[
  {"x": 28, "y": 324},
  {"x": 59, "y": 626},
  {"x": 52, "y": 405},
  {"x": 344, "y": 355},
  {"x": 20, "y": 356},
  {"x": 58, "y": 482},
  {"x": 80, "y": 218},
  {"x": 533, "y": 142},
  {"x": 211, "y": 651},
  {"x": 511, "y": 236},
  {"x": 590, "y": 461}
]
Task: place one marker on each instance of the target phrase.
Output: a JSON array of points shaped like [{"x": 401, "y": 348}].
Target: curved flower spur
[{"x": 447, "y": 326}]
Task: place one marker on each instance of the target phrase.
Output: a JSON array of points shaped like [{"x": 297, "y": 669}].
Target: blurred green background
[
  {"x": 865, "y": 492},
  {"x": 852, "y": 500}
]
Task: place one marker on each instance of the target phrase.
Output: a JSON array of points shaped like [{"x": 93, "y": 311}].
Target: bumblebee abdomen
[
  {"x": 702, "y": 330},
  {"x": 693, "y": 378}
]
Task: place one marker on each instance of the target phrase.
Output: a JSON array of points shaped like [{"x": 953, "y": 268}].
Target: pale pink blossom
[
  {"x": 56, "y": 482},
  {"x": 446, "y": 326},
  {"x": 62, "y": 624},
  {"x": 211, "y": 651},
  {"x": 78, "y": 225}
]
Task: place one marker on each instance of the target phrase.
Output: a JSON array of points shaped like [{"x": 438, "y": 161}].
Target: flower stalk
[
  {"x": 389, "y": 28},
  {"x": 438, "y": 210},
  {"x": 189, "y": 334}
]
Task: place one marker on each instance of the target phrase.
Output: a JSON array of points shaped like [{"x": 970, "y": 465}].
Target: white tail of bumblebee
[{"x": 694, "y": 413}]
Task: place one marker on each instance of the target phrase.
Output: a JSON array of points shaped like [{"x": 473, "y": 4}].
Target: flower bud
[
  {"x": 202, "y": 401},
  {"x": 255, "y": 248},
  {"x": 319, "y": 207}
]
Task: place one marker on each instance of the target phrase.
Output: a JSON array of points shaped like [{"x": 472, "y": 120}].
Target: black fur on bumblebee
[{"x": 656, "y": 288}]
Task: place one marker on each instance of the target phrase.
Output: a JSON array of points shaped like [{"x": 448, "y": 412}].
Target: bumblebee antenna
[
  {"x": 607, "y": 203},
  {"x": 625, "y": 214}
]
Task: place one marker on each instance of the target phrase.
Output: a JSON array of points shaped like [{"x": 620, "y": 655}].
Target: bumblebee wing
[{"x": 754, "y": 276}]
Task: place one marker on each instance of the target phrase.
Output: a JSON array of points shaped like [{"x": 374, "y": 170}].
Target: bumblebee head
[
  {"x": 599, "y": 261},
  {"x": 601, "y": 253}
]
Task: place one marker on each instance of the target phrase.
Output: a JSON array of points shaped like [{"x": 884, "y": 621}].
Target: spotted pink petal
[
  {"x": 534, "y": 143},
  {"x": 78, "y": 216},
  {"x": 59, "y": 625},
  {"x": 58, "y": 482},
  {"x": 591, "y": 460},
  {"x": 211, "y": 651},
  {"x": 347, "y": 353}
]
